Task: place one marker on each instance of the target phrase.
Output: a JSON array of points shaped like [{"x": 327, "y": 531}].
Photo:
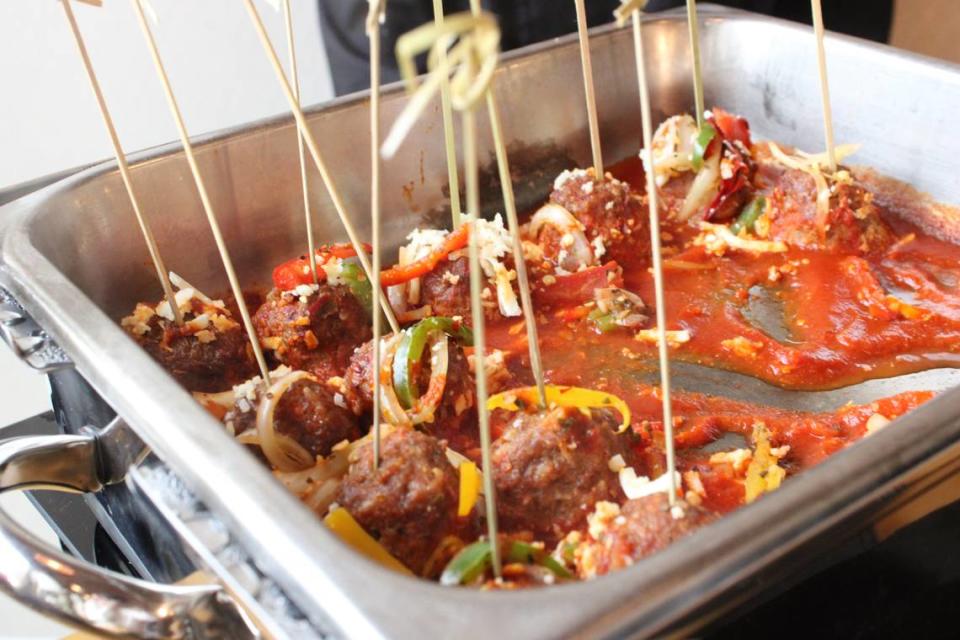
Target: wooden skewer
[
  {"x": 295, "y": 85},
  {"x": 122, "y": 165},
  {"x": 314, "y": 149},
  {"x": 202, "y": 190},
  {"x": 693, "y": 25},
  {"x": 479, "y": 330},
  {"x": 591, "y": 96},
  {"x": 453, "y": 178},
  {"x": 824, "y": 84},
  {"x": 472, "y": 61},
  {"x": 510, "y": 207},
  {"x": 654, "y": 209},
  {"x": 373, "y": 33}
]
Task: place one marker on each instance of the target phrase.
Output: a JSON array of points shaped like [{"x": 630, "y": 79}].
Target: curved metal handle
[{"x": 76, "y": 592}]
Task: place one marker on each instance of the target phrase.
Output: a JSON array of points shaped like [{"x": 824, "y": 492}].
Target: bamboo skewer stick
[
  {"x": 824, "y": 84},
  {"x": 453, "y": 179},
  {"x": 373, "y": 33},
  {"x": 693, "y": 25},
  {"x": 591, "y": 96},
  {"x": 314, "y": 149},
  {"x": 510, "y": 207},
  {"x": 472, "y": 62},
  {"x": 295, "y": 85},
  {"x": 202, "y": 190},
  {"x": 654, "y": 209},
  {"x": 479, "y": 330},
  {"x": 123, "y": 166}
]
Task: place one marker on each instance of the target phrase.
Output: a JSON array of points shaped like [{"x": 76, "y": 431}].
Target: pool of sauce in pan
[{"x": 807, "y": 329}]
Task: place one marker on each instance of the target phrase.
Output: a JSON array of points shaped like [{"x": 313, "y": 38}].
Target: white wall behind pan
[{"x": 48, "y": 117}]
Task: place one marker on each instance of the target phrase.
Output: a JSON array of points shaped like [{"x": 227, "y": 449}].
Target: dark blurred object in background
[{"x": 524, "y": 22}]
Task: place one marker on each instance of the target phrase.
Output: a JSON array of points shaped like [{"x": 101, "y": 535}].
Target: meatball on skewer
[
  {"x": 208, "y": 352},
  {"x": 426, "y": 382},
  {"x": 551, "y": 467},
  {"x": 409, "y": 502}
]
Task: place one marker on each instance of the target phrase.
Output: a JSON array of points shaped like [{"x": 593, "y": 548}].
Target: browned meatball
[
  {"x": 550, "y": 468},
  {"x": 447, "y": 288},
  {"x": 315, "y": 333},
  {"x": 620, "y": 537},
  {"x": 607, "y": 209},
  {"x": 455, "y": 419},
  {"x": 409, "y": 503},
  {"x": 853, "y": 224},
  {"x": 308, "y": 413},
  {"x": 213, "y": 358}
]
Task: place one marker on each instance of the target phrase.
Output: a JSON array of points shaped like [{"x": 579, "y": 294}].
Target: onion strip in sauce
[{"x": 283, "y": 452}]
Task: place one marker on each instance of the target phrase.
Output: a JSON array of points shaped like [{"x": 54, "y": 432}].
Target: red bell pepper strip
[
  {"x": 291, "y": 273},
  {"x": 404, "y": 273}
]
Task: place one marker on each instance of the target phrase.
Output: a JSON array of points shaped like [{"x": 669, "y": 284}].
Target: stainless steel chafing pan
[{"x": 72, "y": 256}]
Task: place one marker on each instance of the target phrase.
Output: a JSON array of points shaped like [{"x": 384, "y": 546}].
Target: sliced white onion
[
  {"x": 283, "y": 452},
  {"x": 704, "y": 188},
  {"x": 563, "y": 221},
  {"x": 412, "y": 315},
  {"x": 224, "y": 399},
  {"x": 672, "y": 145},
  {"x": 397, "y": 295}
]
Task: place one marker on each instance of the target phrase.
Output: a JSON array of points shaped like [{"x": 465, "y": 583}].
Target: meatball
[
  {"x": 853, "y": 223},
  {"x": 550, "y": 468},
  {"x": 447, "y": 288},
  {"x": 316, "y": 332},
  {"x": 308, "y": 413},
  {"x": 607, "y": 209},
  {"x": 620, "y": 536},
  {"x": 410, "y": 502},
  {"x": 455, "y": 420},
  {"x": 209, "y": 352}
]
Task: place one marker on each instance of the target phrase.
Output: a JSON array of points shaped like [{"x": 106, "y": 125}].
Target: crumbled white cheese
[
  {"x": 616, "y": 463},
  {"x": 876, "y": 422},
  {"x": 598, "y": 248},
  {"x": 587, "y": 187},
  {"x": 566, "y": 175},
  {"x": 639, "y": 486}
]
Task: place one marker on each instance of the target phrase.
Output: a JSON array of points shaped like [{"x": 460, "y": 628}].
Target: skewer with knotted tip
[
  {"x": 592, "y": 120},
  {"x": 374, "y": 18},
  {"x": 122, "y": 165},
  {"x": 202, "y": 190},
  {"x": 824, "y": 84},
  {"x": 630, "y": 10},
  {"x": 453, "y": 177},
  {"x": 314, "y": 150},
  {"x": 469, "y": 66}
]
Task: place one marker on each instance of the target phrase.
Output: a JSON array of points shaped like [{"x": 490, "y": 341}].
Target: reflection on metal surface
[{"x": 81, "y": 594}]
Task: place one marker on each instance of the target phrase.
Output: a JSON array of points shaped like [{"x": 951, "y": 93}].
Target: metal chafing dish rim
[{"x": 363, "y": 599}]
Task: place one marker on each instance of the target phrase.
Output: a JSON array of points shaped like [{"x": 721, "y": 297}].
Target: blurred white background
[{"x": 49, "y": 121}]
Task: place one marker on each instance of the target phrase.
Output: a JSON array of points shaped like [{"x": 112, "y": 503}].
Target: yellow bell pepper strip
[
  {"x": 410, "y": 352},
  {"x": 749, "y": 215},
  {"x": 469, "y": 487},
  {"x": 561, "y": 396},
  {"x": 349, "y": 530},
  {"x": 764, "y": 474}
]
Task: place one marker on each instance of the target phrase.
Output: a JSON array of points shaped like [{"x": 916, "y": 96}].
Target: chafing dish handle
[{"x": 79, "y": 593}]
